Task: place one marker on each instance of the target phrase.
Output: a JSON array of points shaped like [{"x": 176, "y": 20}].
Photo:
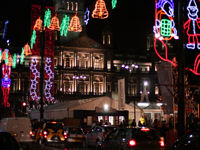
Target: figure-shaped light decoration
[
  {"x": 49, "y": 80},
  {"x": 47, "y": 18},
  {"x": 75, "y": 24},
  {"x": 100, "y": 11},
  {"x": 164, "y": 28},
  {"x": 5, "y": 83},
  {"x": 10, "y": 61},
  {"x": 114, "y": 4},
  {"x": 64, "y": 26},
  {"x": 54, "y": 25},
  {"x": 86, "y": 16},
  {"x": 33, "y": 38},
  {"x": 35, "y": 81},
  {"x": 14, "y": 60},
  {"x": 27, "y": 50},
  {"x": 38, "y": 25},
  {"x": 192, "y": 25}
]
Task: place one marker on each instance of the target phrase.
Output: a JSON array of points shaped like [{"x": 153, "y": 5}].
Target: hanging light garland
[
  {"x": 47, "y": 18},
  {"x": 75, "y": 24},
  {"x": 100, "y": 10},
  {"x": 54, "y": 25},
  {"x": 64, "y": 26}
]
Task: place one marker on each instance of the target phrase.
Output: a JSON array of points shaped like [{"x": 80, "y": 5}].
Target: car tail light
[
  {"x": 45, "y": 134},
  {"x": 145, "y": 129},
  {"x": 132, "y": 142},
  {"x": 65, "y": 135},
  {"x": 162, "y": 142}
]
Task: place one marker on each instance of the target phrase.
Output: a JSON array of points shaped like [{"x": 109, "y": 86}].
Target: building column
[
  {"x": 75, "y": 59},
  {"x": 91, "y": 84},
  {"x": 104, "y": 84},
  {"x": 91, "y": 60}
]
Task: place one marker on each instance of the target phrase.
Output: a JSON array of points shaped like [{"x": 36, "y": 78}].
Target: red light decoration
[
  {"x": 75, "y": 24},
  {"x": 5, "y": 83},
  {"x": 132, "y": 143},
  {"x": 100, "y": 10},
  {"x": 54, "y": 25},
  {"x": 38, "y": 25},
  {"x": 196, "y": 66}
]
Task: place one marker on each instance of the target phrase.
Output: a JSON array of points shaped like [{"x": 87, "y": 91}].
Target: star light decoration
[
  {"x": 75, "y": 24},
  {"x": 100, "y": 10},
  {"x": 64, "y": 26},
  {"x": 35, "y": 80},
  {"x": 48, "y": 81}
]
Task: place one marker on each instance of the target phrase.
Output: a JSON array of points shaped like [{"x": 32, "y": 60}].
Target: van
[{"x": 19, "y": 127}]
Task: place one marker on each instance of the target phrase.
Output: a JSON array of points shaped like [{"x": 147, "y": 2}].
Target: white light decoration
[
  {"x": 106, "y": 107},
  {"x": 143, "y": 104},
  {"x": 48, "y": 82},
  {"x": 34, "y": 82}
]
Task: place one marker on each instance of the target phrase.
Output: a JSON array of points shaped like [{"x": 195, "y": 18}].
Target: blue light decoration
[
  {"x": 164, "y": 28},
  {"x": 64, "y": 26},
  {"x": 5, "y": 28},
  {"x": 86, "y": 16},
  {"x": 48, "y": 81},
  {"x": 192, "y": 25}
]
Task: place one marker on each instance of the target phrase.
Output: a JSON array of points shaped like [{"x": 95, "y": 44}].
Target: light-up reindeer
[
  {"x": 5, "y": 83},
  {"x": 164, "y": 28}
]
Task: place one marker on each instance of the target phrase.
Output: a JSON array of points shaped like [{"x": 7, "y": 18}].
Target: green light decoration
[
  {"x": 64, "y": 26},
  {"x": 47, "y": 18},
  {"x": 114, "y": 3},
  {"x": 14, "y": 60},
  {"x": 22, "y": 56},
  {"x": 33, "y": 38},
  {"x": 166, "y": 28}
]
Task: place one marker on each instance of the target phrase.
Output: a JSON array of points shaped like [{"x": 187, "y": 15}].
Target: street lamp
[{"x": 106, "y": 107}]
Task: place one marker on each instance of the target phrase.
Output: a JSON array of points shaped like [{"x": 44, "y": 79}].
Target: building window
[
  {"x": 103, "y": 39},
  {"x": 156, "y": 90},
  {"x": 109, "y": 39}
]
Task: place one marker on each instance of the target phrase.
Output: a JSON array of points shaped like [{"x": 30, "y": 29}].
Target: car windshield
[
  {"x": 74, "y": 131},
  {"x": 54, "y": 126}
]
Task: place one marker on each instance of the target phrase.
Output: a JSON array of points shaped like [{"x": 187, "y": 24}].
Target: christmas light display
[
  {"x": 10, "y": 61},
  {"x": 5, "y": 83},
  {"x": 54, "y": 25},
  {"x": 47, "y": 18},
  {"x": 64, "y": 26},
  {"x": 196, "y": 66},
  {"x": 38, "y": 25},
  {"x": 22, "y": 56},
  {"x": 75, "y": 24},
  {"x": 27, "y": 50},
  {"x": 33, "y": 38},
  {"x": 100, "y": 10},
  {"x": 14, "y": 60},
  {"x": 114, "y": 3},
  {"x": 164, "y": 28},
  {"x": 49, "y": 75},
  {"x": 86, "y": 16},
  {"x": 192, "y": 25},
  {"x": 0, "y": 55},
  {"x": 35, "y": 80},
  {"x": 5, "y": 28}
]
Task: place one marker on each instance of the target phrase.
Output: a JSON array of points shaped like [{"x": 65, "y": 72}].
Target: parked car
[
  {"x": 133, "y": 139},
  {"x": 96, "y": 134},
  {"x": 19, "y": 127},
  {"x": 51, "y": 133},
  {"x": 190, "y": 141},
  {"x": 75, "y": 135},
  {"x": 8, "y": 142}
]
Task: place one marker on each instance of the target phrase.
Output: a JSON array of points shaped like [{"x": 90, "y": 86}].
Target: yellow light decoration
[
  {"x": 54, "y": 25},
  {"x": 10, "y": 61},
  {"x": 27, "y": 50},
  {"x": 75, "y": 24},
  {"x": 38, "y": 25},
  {"x": 100, "y": 10}
]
